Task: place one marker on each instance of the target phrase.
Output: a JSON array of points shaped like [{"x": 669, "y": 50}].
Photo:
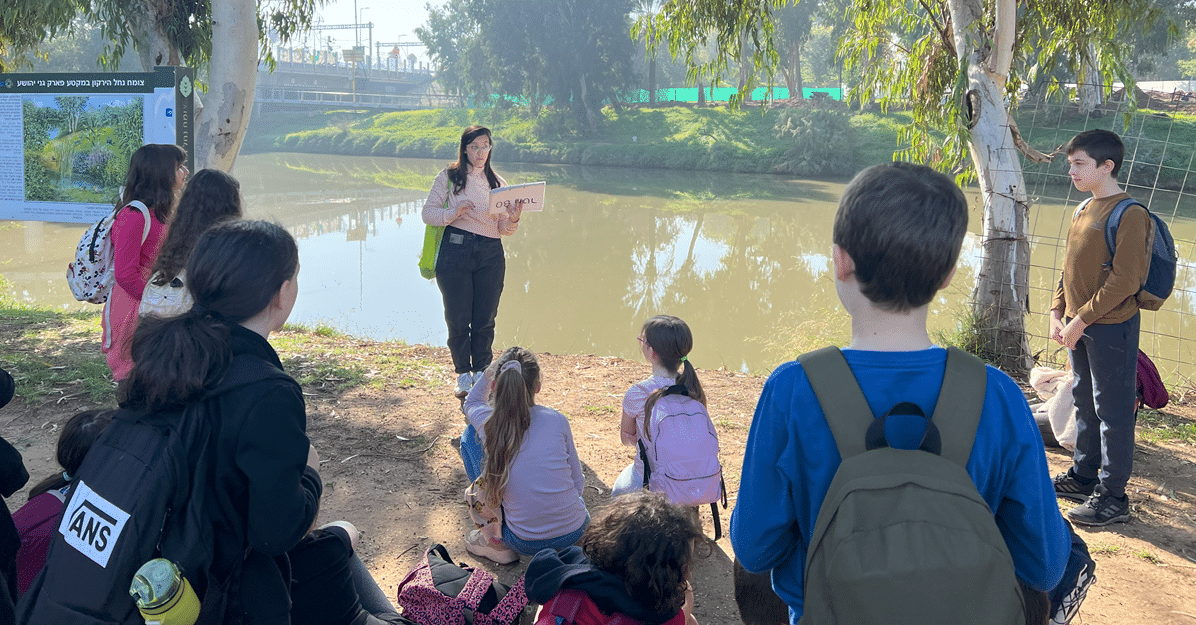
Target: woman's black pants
[{"x": 470, "y": 271}]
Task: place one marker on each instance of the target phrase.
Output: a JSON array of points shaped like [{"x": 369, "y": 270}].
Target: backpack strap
[
  {"x": 1113, "y": 222},
  {"x": 957, "y": 413},
  {"x": 843, "y": 403},
  {"x": 564, "y": 606},
  {"x": 144, "y": 210},
  {"x": 647, "y": 465}
]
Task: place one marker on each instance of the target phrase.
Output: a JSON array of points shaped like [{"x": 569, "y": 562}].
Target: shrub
[{"x": 820, "y": 142}]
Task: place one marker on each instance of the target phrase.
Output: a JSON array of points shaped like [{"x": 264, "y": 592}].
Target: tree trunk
[
  {"x": 746, "y": 66},
  {"x": 796, "y": 61},
  {"x": 652, "y": 76},
  {"x": 787, "y": 73},
  {"x": 152, "y": 45},
  {"x": 701, "y": 94},
  {"x": 1087, "y": 89},
  {"x": 591, "y": 119},
  {"x": 1001, "y": 299},
  {"x": 220, "y": 125}
]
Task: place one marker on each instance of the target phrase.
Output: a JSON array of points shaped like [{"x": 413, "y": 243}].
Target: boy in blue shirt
[{"x": 897, "y": 237}]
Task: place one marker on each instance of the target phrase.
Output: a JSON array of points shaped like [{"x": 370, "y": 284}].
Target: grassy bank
[
  {"x": 804, "y": 142},
  {"x": 807, "y": 141}
]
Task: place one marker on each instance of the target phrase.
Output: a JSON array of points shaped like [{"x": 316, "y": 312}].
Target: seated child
[
  {"x": 633, "y": 560},
  {"x": 331, "y": 586},
  {"x": 665, "y": 342},
  {"x": 527, "y": 463},
  {"x": 38, "y": 518}
]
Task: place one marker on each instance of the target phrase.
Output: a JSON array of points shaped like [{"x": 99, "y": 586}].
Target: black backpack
[
  {"x": 138, "y": 495},
  {"x": 1161, "y": 261},
  {"x": 903, "y": 536}
]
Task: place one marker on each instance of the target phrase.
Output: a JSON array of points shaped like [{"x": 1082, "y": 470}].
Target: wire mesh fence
[{"x": 1160, "y": 151}]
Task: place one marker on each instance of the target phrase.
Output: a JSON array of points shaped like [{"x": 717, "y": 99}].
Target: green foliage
[
  {"x": 820, "y": 142},
  {"x": 572, "y": 53},
  {"x": 185, "y": 24},
  {"x": 969, "y": 335},
  {"x": 687, "y": 26}
]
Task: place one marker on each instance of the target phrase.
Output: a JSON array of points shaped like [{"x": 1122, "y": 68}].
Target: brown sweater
[{"x": 1092, "y": 288}]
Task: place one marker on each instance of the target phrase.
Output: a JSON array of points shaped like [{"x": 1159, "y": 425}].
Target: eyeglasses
[
  {"x": 478, "y": 148},
  {"x": 641, "y": 339}
]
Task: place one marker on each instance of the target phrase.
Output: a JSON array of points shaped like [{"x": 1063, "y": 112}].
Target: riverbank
[
  {"x": 824, "y": 139},
  {"x": 385, "y": 422}
]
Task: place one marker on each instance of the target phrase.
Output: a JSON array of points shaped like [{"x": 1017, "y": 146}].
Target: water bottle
[{"x": 163, "y": 595}]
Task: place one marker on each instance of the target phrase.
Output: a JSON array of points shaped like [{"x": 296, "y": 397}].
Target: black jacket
[
  {"x": 265, "y": 496},
  {"x": 550, "y": 571}
]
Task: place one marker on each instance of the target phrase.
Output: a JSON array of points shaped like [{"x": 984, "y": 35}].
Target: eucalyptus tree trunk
[
  {"x": 153, "y": 46},
  {"x": 1001, "y": 299},
  {"x": 1087, "y": 89},
  {"x": 232, "y": 79}
]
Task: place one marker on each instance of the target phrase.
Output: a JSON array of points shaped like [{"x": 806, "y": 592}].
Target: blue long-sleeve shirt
[{"x": 791, "y": 458}]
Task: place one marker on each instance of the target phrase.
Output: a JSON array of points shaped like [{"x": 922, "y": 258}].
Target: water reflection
[{"x": 744, "y": 259}]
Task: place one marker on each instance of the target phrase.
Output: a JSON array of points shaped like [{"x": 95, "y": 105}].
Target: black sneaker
[
  {"x": 1070, "y": 486},
  {"x": 1101, "y": 509}
]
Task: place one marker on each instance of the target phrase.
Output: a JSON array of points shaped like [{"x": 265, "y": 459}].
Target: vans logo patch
[{"x": 92, "y": 524}]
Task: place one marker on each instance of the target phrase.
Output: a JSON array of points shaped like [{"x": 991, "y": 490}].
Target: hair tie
[
  {"x": 685, "y": 359},
  {"x": 199, "y": 310},
  {"x": 66, "y": 476},
  {"x": 511, "y": 364}
]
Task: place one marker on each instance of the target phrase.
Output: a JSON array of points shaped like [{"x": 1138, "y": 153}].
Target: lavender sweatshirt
[{"x": 543, "y": 497}]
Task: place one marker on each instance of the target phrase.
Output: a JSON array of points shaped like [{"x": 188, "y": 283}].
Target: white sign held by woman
[{"x": 531, "y": 194}]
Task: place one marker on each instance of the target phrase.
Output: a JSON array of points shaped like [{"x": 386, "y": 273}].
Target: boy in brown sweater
[{"x": 1095, "y": 314}]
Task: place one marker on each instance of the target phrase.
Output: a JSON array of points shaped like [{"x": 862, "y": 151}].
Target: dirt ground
[{"x": 390, "y": 466}]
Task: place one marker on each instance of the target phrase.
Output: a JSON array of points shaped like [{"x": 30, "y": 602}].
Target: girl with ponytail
[
  {"x": 665, "y": 342},
  {"x": 522, "y": 457},
  {"x": 263, "y": 488}
]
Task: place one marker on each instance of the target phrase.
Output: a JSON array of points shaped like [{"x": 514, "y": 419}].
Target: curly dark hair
[{"x": 648, "y": 543}]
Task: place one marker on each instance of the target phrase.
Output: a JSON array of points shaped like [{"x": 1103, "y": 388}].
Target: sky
[{"x": 394, "y": 20}]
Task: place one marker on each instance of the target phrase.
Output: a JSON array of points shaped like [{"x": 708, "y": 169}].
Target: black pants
[
  {"x": 1105, "y": 366},
  {"x": 470, "y": 272}
]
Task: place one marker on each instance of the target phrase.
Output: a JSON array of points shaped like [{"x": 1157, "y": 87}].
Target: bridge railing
[{"x": 289, "y": 95}]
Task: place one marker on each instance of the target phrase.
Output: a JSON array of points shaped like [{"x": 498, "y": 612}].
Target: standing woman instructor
[{"x": 471, "y": 265}]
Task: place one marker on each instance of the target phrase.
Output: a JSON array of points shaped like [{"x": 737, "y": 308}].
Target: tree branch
[
  {"x": 1025, "y": 148},
  {"x": 943, "y": 29}
]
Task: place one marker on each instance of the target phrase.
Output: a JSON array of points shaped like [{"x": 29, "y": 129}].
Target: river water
[{"x": 743, "y": 258}]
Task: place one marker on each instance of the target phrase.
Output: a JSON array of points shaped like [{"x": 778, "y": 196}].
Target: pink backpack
[
  {"x": 680, "y": 453},
  {"x": 439, "y": 592}
]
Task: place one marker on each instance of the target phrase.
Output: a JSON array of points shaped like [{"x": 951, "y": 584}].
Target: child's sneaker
[
  {"x": 464, "y": 383},
  {"x": 1070, "y": 486},
  {"x": 1101, "y": 509},
  {"x": 483, "y": 547}
]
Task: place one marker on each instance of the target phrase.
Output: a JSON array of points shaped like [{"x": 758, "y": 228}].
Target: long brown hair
[
  {"x": 516, "y": 376},
  {"x": 458, "y": 170},
  {"x": 151, "y": 178},
  {"x": 211, "y": 197},
  {"x": 672, "y": 341}
]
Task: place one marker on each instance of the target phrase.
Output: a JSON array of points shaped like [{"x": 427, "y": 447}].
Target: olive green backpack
[{"x": 903, "y": 536}]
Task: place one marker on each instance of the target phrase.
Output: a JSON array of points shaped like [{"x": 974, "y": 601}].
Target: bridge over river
[{"x": 320, "y": 86}]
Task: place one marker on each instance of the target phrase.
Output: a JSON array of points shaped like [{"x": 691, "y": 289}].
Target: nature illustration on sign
[{"x": 77, "y": 148}]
